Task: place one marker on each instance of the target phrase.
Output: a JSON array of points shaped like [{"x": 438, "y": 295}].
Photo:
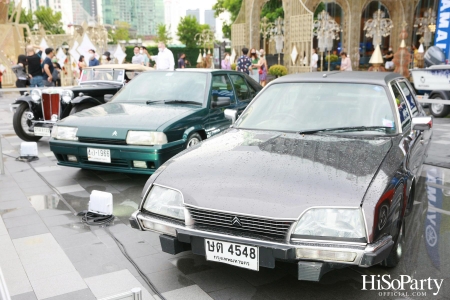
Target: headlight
[
  {"x": 67, "y": 96},
  {"x": 36, "y": 95},
  {"x": 166, "y": 202},
  {"x": 65, "y": 133},
  {"x": 148, "y": 138},
  {"x": 331, "y": 222}
]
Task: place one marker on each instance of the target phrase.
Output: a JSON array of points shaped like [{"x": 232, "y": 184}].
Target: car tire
[
  {"x": 20, "y": 124},
  {"x": 193, "y": 139},
  {"x": 80, "y": 107},
  {"x": 397, "y": 251},
  {"x": 439, "y": 110}
]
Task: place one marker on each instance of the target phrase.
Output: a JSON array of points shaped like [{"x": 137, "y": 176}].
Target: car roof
[
  {"x": 126, "y": 67},
  {"x": 381, "y": 78}
]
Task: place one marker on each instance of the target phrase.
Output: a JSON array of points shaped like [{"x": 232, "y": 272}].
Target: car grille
[
  {"x": 114, "y": 162},
  {"x": 101, "y": 141},
  {"x": 50, "y": 105},
  {"x": 255, "y": 225}
]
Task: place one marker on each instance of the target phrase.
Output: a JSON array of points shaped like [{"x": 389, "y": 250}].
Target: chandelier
[
  {"x": 426, "y": 25},
  {"x": 326, "y": 29},
  {"x": 378, "y": 27}
]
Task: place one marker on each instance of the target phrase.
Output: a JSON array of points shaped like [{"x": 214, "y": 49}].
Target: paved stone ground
[{"x": 47, "y": 253}]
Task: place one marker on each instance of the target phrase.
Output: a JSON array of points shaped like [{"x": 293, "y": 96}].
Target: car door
[
  {"x": 409, "y": 142},
  {"x": 422, "y": 137},
  {"x": 220, "y": 87},
  {"x": 244, "y": 91}
]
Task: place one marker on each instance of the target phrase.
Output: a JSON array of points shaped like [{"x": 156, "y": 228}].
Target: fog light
[
  {"x": 160, "y": 228},
  {"x": 54, "y": 118},
  {"x": 72, "y": 158},
  {"x": 325, "y": 255},
  {"x": 139, "y": 164}
]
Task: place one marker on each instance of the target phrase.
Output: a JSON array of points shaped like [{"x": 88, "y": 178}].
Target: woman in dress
[
  {"x": 262, "y": 68},
  {"x": 255, "y": 61},
  {"x": 226, "y": 64},
  {"x": 346, "y": 64}
]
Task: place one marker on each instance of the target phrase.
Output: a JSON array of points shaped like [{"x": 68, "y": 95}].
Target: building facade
[
  {"x": 194, "y": 13},
  {"x": 172, "y": 15},
  {"x": 210, "y": 19}
]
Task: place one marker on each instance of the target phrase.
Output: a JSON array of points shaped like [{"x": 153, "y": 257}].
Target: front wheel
[
  {"x": 397, "y": 251},
  {"x": 193, "y": 140},
  {"x": 80, "y": 107},
  {"x": 439, "y": 110},
  {"x": 22, "y": 125}
]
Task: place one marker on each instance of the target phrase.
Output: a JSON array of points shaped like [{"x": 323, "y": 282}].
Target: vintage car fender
[
  {"x": 85, "y": 99},
  {"x": 196, "y": 128},
  {"x": 34, "y": 107}
]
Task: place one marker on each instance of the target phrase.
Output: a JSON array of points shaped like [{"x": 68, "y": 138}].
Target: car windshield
[
  {"x": 313, "y": 107},
  {"x": 168, "y": 86},
  {"x": 102, "y": 75}
]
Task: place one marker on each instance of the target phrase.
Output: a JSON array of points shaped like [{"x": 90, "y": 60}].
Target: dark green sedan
[{"x": 154, "y": 117}]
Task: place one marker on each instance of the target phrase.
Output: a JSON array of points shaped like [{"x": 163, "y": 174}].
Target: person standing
[
  {"x": 226, "y": 63},
  {"x": 137, "y": 59},
  {"x": 262, "y": 68},
  {"x": 19, "y": 71},
  {"x": 56, "y": 74},
  {"x": 81, "y": 63},
  {"x": 346, "y": 64},
  {"x": 2, "y": 70},
  {"x": 144, "y": 52},
  {"x": 92, "y": 60},
  {"x": 244, "y": 62},
  {"x": 181, "y": 61},
  {"x": 314, "y": 60},
  {"x": 48, "y": 68},
  {"x": 254, "y": 69},
  {"x": 34, "y": 66},
  {"x": 389, "y": 57},
  {"x": 164, "y": 59},
  {"x": 106, "y": 58}
]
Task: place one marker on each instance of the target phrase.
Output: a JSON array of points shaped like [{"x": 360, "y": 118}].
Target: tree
[
  {"x": 164, "y": 34},
  {"x": 231, "y": 6},
  {"x": 272, "y": 10},
  {"x": 121, "y": 32},
  {"x": 187, "y": 29},
  {"x": 49, "y": 19},
  {"x": 26, "y": 16}
]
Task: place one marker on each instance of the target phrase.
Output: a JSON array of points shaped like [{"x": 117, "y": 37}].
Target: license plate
[
  {"x": 238, "y": 255},
  {"x": 41, "y": 131},
  {"x": 99, "y": 155}
]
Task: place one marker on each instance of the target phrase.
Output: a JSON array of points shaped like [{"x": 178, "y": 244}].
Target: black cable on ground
[{"x": 92, "y": 219}]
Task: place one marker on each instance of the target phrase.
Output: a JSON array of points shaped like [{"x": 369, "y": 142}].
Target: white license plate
[
  {"x": 238, "y": 255},
  {"x": 99, "y": 155},
  {"x": 41, "y": 131}
]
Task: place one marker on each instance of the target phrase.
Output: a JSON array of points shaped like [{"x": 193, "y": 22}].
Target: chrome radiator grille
[{"x": 255, "y": 225}]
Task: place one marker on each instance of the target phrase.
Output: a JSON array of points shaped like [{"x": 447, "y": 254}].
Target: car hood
[
  {"x": 275, "y": 174},
  {"x": 123, "y": 117}
]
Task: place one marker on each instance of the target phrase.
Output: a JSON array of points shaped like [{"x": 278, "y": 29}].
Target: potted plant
[{"x": 278, "y": 70}]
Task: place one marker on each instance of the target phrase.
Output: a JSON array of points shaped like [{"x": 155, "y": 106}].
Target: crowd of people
[{"x": 253, "y": 64}]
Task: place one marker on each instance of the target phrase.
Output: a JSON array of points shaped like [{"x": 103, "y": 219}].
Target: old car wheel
[
  {"x": 439, "y": 110},
  {"x": 397, "y": 251},
  {"x": 80, "y": 107},
  {"x": 193, "y": 140},
  {"x": 21, "y": 124}
]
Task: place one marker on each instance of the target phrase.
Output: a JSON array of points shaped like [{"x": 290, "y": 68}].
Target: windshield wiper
[
  {"x": 181, "y": 101},
  {"x": 348, "y": 128},
  {"x": 153, "y": 101}
]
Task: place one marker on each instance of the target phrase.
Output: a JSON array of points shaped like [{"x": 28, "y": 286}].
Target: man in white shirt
[
  {"x": 164, "y": 59},
  {"x": 314, "y": 60}
]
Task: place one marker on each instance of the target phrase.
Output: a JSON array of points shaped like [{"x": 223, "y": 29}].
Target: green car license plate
[{"x": 99, "y": 155}]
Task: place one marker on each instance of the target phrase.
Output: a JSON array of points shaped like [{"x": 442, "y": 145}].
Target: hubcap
[
  {"x": 192, "y": 142},
  {"x": 400, "y": 243},
  {"x": 436, "y": 107},
  {"x": 24, "y": 123}
]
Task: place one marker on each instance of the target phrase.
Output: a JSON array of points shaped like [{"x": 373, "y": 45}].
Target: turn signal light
[
  {"x": 72, "y": 158},
  {"x": 325, "y": 255}
]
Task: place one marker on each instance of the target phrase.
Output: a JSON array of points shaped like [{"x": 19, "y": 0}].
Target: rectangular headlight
[
  {"x": 146, "y": 138},
  {"x": 331, "y": 222},
  {"x": 65, "y": 133},
  {"x": 325, "y": 255},
  {"x": 166, "y": 202}
]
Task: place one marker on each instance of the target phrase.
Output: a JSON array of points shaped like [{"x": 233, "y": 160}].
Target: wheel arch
[{"x": 196, "y": 128}]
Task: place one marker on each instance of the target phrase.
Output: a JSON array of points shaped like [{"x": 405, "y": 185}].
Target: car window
[
  {"x": 308, "y": 106},
  {"x": 405, "y": 116},
  {"x": 164, "y": 86},
  {"x": 243, "y": 92},
  {"x": 221, "y": 87},
  {"x": 410, "y": 98}
]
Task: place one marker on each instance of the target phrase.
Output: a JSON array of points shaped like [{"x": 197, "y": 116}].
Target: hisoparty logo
[{"x": 402, "y": 286}]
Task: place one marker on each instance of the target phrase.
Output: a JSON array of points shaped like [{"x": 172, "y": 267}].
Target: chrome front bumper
[{"x": 366, "y": 255}]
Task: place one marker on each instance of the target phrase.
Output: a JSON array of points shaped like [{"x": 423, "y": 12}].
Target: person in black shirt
[
  {"x": 388, "y": 58},
  {"x": 48, "y": 68},
  {"x": 181, "y": 61},
  {"x": 34, "y": 66}
]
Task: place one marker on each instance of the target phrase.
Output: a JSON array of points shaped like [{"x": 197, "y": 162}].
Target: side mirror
[
  {"x": 108, "y": 97},
  {"x": 221, "y": 102},
  {"x": 422, "y": 123},
  {"x": 231, "y": 114}
]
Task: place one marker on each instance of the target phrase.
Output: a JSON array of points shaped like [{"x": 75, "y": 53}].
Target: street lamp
[
  {"x": 326, "y": 29},
  {"x": 426, "y": 25},
  {"x": 265, "y": 30},
  {"x": 378, "y": 26},
  {"x": 278, "y": 35}
]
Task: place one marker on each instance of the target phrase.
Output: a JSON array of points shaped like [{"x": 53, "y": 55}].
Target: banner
[
  {"x": 442, "y": 34},
  {"x": 433, "y": 221}
]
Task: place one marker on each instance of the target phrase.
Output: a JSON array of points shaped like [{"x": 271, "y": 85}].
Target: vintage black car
[
  {"x": 37, "y": 112},
  {"x": 319, "y": 170}
]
